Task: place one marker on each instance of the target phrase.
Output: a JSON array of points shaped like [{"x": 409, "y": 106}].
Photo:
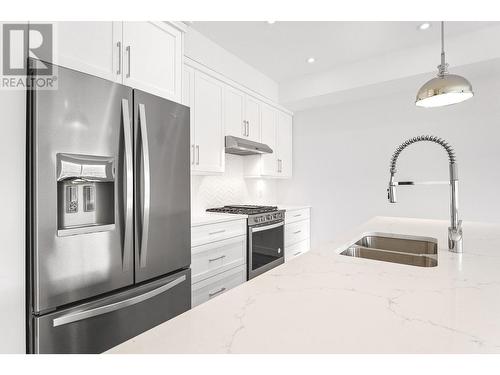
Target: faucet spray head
[{"x": 391, "y": 191}]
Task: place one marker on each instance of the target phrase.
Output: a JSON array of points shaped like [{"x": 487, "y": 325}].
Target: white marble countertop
[{"x": 322, "y": 302}]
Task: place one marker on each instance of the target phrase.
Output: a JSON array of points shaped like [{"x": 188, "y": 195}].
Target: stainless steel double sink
[{"x": 395, "y": 248}]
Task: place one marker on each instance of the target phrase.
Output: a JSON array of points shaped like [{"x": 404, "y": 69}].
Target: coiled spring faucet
[{"x": 455, "y": 240}]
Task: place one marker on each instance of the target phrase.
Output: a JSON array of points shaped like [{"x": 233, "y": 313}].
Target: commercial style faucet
[{"x": 455, "y": 243}]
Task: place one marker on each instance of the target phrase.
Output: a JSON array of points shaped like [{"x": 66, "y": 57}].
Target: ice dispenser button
[
  {"x": 71, "y": 199},
  {"x": 88, "y": 198}
]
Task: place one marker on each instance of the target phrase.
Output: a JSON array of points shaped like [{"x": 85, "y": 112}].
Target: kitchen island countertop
[{"x": 323, "y": 302}]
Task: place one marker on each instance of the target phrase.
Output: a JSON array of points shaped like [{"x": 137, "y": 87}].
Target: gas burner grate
[{"x": 244, "y": 209}]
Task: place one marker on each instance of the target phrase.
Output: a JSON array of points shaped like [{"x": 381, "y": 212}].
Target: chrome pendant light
[{"x": 446, "y": 88}]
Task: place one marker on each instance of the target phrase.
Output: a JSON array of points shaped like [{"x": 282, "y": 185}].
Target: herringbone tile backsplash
[{"x": 230, "y": 188}]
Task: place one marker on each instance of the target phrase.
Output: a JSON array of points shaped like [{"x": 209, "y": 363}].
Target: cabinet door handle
[
  {"x": 244, "y": 128},
  {"x": 248, "y": 128},
  {"x": 214, "y": 259},
  {"x": 217, "y": 232},
  {"x": 193, "y": 153},
  {"x": 281, "y": 166},
  {"x": 297, "y": 253},
  {"x": 297, "y": 232},
  {"x": 213, "y": 294},
  {"x": 119, "y": 45},
  {"x": 128, "y": 61},
  {"x": 198, "y": 154}
]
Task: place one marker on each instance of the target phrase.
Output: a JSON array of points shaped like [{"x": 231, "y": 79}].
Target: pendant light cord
[{"x": 443, "y": 68}]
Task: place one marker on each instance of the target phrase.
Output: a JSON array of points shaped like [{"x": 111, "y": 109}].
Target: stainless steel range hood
[{"x": 241, "y": 146}]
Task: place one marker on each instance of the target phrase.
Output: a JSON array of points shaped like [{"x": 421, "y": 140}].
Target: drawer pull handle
[
  {"x": 214, "y": 259},
  {"x": 297, "y": 253},
  {"x": 217, "y": 232},
  {"x": 297, "y": 232},
  {"x": 297, "y": 215},
  {"x": 213, "y": 294}
]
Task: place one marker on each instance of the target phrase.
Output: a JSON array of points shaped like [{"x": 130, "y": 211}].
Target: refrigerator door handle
[
  {"x": 143, "y": 251},
  {"x": 96, "y": 311},
  {"x": 129, "y": 185}
]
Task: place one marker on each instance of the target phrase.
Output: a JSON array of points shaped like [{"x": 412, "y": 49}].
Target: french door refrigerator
[{"x": 108, "y": 244}]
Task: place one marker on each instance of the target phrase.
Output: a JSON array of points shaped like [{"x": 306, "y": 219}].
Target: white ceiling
[{"x": 280, "y": 50}]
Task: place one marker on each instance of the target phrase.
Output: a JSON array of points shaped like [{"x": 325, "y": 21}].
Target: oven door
[{"x": 265, "y": 247}]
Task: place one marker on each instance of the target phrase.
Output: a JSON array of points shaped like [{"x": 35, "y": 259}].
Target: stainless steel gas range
[{"x": 266, "y": 236}]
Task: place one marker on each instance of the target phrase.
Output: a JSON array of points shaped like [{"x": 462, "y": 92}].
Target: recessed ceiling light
[
  {"x": 310, "y": 60},
  {"x": 270, "y": 22},
  {"x": 424, "y": 26}
]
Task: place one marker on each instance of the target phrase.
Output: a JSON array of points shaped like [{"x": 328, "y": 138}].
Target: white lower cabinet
[
  {"x": 297, "y": 249},
  {"x": 217, "y": 285},
  {"x": 297, "y": 232},
  {"x": 218, "y": 258}
]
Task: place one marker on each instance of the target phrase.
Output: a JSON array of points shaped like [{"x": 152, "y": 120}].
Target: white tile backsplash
[{"x": 230, "y": 188}]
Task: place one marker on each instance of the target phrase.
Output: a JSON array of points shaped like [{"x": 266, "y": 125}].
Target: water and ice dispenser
[{"x": 85, "y": 194}]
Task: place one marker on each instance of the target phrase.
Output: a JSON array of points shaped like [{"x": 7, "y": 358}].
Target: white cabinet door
[
  {"x": 188, "y": 100},
  {"x": 208, "y": 126},
  {"x": 252, "y": 116},
  {"x": 234, "y": 112},
  {"x": 284, "y": 144},
  {"x": 89, "y": 47},
  {"x": 269, "y": 162},
  {"x": 153, "y": 58}
]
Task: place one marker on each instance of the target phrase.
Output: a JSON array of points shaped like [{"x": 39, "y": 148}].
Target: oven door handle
[{"x": 267, "y": 227}]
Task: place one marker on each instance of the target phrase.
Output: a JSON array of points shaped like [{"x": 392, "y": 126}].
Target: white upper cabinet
[
  {"x": 89, "y": 47},
  {"x": 234, "y": 112},
  {"x": 207, "y": 108},
  {"x": 277, "y": 134},
  {"x": 284, "y": 144},
  {"x": 241, "y": 114},
  {"x": 252, "y": 116},
  {"x": 152, "y": 58},
  {"x": 143, "y": 55},
  {"x": 269, "y": 162}
]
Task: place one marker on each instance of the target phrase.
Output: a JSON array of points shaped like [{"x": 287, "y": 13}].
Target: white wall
[
  {"x": 12, "y": 190},
  {"x": 201, "y": 49},
  {"x": 230, "y": 188},
  {"x": 342, "y": 153}
]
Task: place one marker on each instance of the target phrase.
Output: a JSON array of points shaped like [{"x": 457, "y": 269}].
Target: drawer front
[
  {"x": 216, "y": 257},
  {"x": 297, "y": 249},
  {"x": 204, "y": 234},
  {"x": 296, "y": 232},
  {"x": 217, "y": 285},
  {"x": 296, "y": 215}
]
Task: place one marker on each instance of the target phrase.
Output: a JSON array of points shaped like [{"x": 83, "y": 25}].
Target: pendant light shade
[{"x": 446, "y": 88}]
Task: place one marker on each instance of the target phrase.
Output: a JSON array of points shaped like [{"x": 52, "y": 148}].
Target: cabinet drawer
[
  {"x": 217, "y": 285},
  {"x": 204, "y": 234},
  {"x": 296, "y": 215},
  {"x": 216, "y": 257},
  {"x": 297, "y": 249},
  {"x": 296, "y": 232}
]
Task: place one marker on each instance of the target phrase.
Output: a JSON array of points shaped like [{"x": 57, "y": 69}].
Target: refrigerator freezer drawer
[{"x": 97, "y": 326}]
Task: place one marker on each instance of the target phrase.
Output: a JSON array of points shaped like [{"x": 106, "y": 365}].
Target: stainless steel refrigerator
[{"x": 108, "y": 247}]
